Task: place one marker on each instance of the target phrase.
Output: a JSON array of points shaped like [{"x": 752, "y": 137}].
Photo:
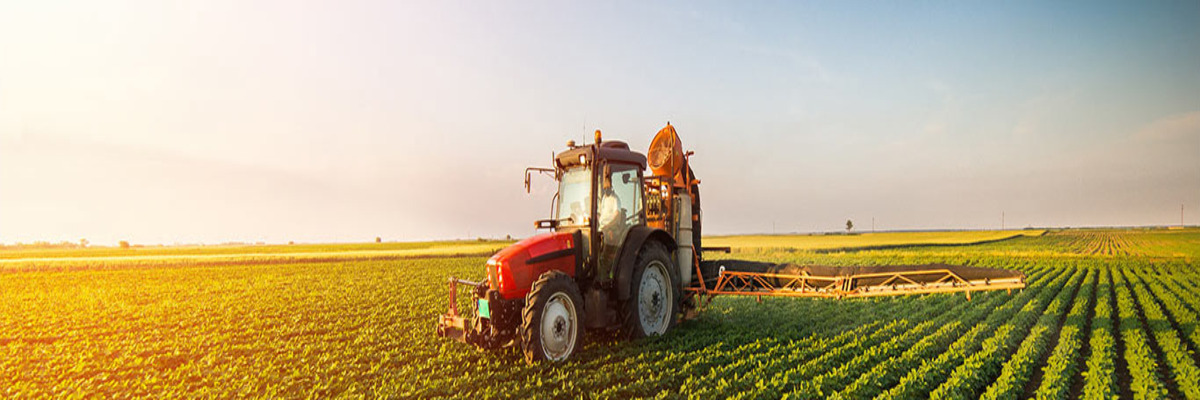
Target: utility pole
[
  {"x": 1002, "y": 220},
  {"x": 872, "y": 224},
  {"x": 1181, "y": 215}
]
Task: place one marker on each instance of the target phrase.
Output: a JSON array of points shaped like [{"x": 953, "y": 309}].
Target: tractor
[{"x": 622, "y": 254}]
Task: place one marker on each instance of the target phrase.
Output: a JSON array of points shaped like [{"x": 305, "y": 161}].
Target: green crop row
[
  {"x": 919, "y": 382},
  {"x": 1018, "y": 370},
  {"x": 1100, "y": 378},
  {"x": 1182, "y": 303},
  {"x": 982, "y": 367},
  {"x": 886, "y": 374},
  {"x": 1064, "y": 359},
  {"x": 861, "y": 353},
  {"x": 840, "y": 376},
  {"x": 1143, "y": 365},
  {"x": 1183, "y": 369},
  {"x": 772, "y": 385}
]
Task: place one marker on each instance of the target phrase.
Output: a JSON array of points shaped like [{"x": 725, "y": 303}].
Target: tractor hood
[{"x": 513, "y": 271}]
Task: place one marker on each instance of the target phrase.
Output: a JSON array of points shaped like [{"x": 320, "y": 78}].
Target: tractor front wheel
[{"x": 552, "y": 326}]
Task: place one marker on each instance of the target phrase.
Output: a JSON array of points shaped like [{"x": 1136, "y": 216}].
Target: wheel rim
[
  {"x": 558, "y": 327},
  {"x": 654, "y": 299}
]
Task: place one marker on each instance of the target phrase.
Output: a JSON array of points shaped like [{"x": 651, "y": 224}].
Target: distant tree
[
  {"x": 124, "y": 244},
  {"x": 83, "y": 242},
  {"x": 507, "y": 237},
  {"x": 849, "y": 225},
  {"x": 291, "y": 242},
  {"x": 378, "y": 239}
]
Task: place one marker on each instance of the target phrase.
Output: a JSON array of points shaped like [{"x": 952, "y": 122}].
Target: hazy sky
[{"x": 212, "y": 121}]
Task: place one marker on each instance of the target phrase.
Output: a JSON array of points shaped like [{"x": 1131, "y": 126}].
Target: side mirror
[
  {"x": 625, "y": 178},
  {"x": 530, "y": 170}
]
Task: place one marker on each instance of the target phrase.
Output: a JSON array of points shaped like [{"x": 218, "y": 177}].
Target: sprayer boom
[{"x": 737, "y": 277}]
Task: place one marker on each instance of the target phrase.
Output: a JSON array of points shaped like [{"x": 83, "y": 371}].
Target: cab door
[{"x": 619, "y": 208}]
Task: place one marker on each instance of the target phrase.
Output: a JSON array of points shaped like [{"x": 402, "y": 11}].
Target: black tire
[
  {"x": 558, "y": 291},
  {"x": 652, "y": 254}
]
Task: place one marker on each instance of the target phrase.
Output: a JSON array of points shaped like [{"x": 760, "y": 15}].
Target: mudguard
[{"x": 634, "y": 240}]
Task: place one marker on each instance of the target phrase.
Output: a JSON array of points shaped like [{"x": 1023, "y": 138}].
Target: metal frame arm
[{"x": 893, "y": 284}]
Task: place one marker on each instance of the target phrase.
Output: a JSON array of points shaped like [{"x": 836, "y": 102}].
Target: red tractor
[{"x": 621, "y": 255}]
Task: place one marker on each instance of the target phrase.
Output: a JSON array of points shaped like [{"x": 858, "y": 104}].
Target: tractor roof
[{"x": 613, "y": 151}]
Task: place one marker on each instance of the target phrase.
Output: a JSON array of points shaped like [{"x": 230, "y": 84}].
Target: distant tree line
[{"x": 42, "y": 244}]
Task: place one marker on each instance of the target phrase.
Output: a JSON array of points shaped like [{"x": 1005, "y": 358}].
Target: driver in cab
[
  {"x": 611, "y": 217},
  {"x": 612, "y": 224}
]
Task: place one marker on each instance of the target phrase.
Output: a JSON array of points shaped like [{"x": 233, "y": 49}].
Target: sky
[{"x": 217, "y": 121}]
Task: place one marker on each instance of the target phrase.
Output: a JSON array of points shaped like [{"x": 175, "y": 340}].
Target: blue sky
[{"x": 341, "y": 121}]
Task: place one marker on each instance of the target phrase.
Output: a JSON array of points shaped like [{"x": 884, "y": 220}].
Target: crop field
[
  {"x": 1107, "y": 313},
  {"x": 882, "y": 240}
]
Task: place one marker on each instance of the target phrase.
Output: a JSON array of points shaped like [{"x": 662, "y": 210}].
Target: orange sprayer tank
[{"x": 666, "y": 153}]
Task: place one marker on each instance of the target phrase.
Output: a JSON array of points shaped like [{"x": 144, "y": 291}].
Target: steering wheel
[{"x": 630, "y": 220}]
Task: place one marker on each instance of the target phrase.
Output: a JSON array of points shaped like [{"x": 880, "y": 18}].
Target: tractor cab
[{"x": 600, "y": 196}]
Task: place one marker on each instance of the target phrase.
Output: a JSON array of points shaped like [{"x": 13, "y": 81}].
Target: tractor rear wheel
[
  {"x": 654, "y": 298},
  {"x": 552, "y": 321}
]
